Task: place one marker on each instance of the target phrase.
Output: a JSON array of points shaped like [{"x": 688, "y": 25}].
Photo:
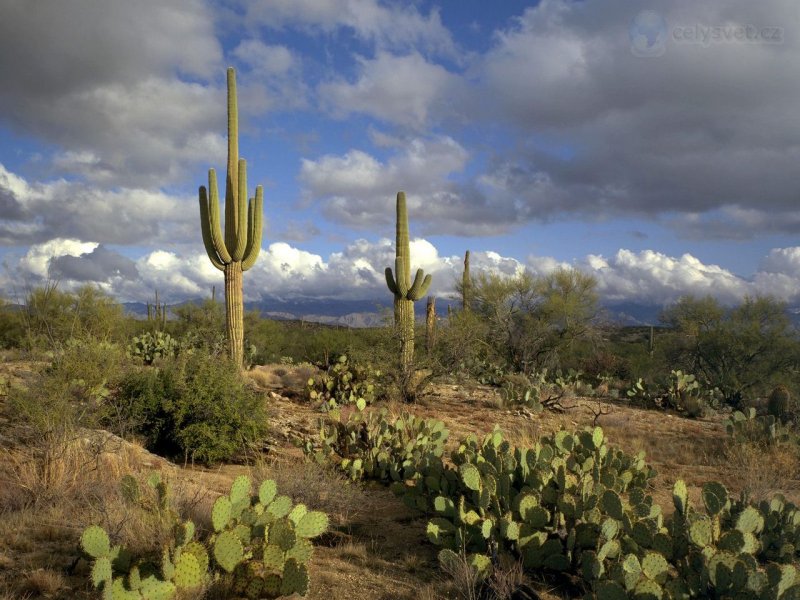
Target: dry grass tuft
[
  {"x": 43, "y": 582},
  {"x": 317, "y": 487},
  {"x": 762, "y": 471}
]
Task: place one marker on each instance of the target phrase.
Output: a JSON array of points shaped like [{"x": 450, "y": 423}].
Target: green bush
[
  {"x": 196, "y": 406},
  {"x": 73, "y": 389}
]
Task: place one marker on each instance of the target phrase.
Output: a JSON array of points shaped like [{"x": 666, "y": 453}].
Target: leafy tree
[
  {"x": 532, "y": 320},
  {"x": 740, "y": 350}
]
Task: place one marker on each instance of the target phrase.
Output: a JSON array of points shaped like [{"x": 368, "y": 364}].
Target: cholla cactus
[{"x": 238, "y": 250}]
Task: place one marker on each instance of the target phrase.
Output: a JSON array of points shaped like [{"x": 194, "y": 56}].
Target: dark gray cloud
[
  {"x": 707, "y": 129},
  {"x": 590, "y": 129},
  {"x": 115, "y": 85},
  {"x": 100, "y": 265}
]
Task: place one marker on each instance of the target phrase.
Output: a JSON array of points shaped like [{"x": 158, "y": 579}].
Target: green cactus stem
[
  {"x": 237, "y": 250},
  {"x": 405, "y": 293}
]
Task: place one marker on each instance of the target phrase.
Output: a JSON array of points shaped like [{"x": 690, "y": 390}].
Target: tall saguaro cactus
[
  {"x": 238, "y": 249},
  {"x": 405, "y": 293}
]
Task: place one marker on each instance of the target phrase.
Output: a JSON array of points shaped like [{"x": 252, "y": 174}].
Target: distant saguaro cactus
[
  {"x": 405, "y": 293},
  {"x": 238, "y": 250},
  {"x": 466, "y": 284},
  {"x": 430, "y": 324},
  {"x": 157, "y": 314}
]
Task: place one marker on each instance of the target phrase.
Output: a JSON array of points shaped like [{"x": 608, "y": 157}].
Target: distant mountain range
[{"x": 374, "y": 312}]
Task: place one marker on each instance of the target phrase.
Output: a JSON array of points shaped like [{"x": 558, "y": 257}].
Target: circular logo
[{"x": 648, "y": 34}]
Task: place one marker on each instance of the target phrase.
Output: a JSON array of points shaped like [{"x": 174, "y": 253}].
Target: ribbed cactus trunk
[
  {"x": 405, "y": 314},
  {"x": 238, "y": 249},
  {"x": 234, "y": 311},
  {"x": 405, "y": 294}
]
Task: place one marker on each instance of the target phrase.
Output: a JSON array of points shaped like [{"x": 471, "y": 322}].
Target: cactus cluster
[
  {"x": 344, "y": 383},
  {"x": 264, "y": 540},
  {"x": 151, "y": 346},
  {"x": 746, "y": 426},
  {"x": 260, "y": 545},
  {"x": 183, "y": 567},
  {"x": 728, "y": 549},
  {"x": 157, "y": 313},
  {"x": 572, "y": 504},
  {"x": 373, "y": 446},
  {"x": 779, "y": 404}
]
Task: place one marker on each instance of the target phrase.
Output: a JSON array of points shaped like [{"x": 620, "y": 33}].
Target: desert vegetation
[{"x": 529, "y": 449}]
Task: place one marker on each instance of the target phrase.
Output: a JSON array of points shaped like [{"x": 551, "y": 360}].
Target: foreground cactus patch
[{"x": 259, "y": 549}]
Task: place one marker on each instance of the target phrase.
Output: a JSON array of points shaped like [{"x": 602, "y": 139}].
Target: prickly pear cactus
[
  {"x": 261, "y": 544},
  {"x": 148, "y": 347}
]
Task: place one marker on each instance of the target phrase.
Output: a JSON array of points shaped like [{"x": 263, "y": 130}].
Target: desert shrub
[
  {"x": 72, "y": 391},
  {"x": 51, "y": 317},
  {"x": 195, "y": 406},
  {"x": 743, "y": 350},
  {"x": 12, "y": 332},
  {"x": 604, "y": 363}
]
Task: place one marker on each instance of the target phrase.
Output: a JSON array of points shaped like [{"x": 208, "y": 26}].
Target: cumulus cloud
[
  {"x": 403, "y": 90},
  {"x": 384, "y": 24},
  {"x": 650, "y": 277},
  {"x": 706, "y": 130},
  {"x": 112, "y": 87},
  {"x": 359, "y": 190},
  {"x": 37, "y": 212},
  {"x": 356, "y": 272}
]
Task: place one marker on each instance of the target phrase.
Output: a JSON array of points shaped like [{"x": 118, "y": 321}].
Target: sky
[{"x": 653, "y": 144}]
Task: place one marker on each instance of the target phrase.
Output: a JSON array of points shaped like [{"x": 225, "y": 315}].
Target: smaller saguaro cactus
[
  {"x": 157, "y": 313},
  {"x": 466, "y": 284},
  {"x": 430, "y": 324},
  {"x": 405, "y": 293}
]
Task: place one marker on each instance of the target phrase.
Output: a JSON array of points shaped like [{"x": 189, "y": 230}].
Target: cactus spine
[
  {"x": 238, "y": 249},
  {"x": 466, "y": 284},
  {"x": 405, "y": 294}
]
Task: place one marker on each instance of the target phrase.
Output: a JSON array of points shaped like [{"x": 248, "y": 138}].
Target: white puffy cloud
[
  {"x": 38, "y": 257},
  {"x": 356, "y": 272},
  {"x": 359, "y": 190},
  {"x": 272, "y": 79},
  {"x": 38, "y": 212},
  {"x": 403, "y": 90},
  {"x": 650, "y": 277}
]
